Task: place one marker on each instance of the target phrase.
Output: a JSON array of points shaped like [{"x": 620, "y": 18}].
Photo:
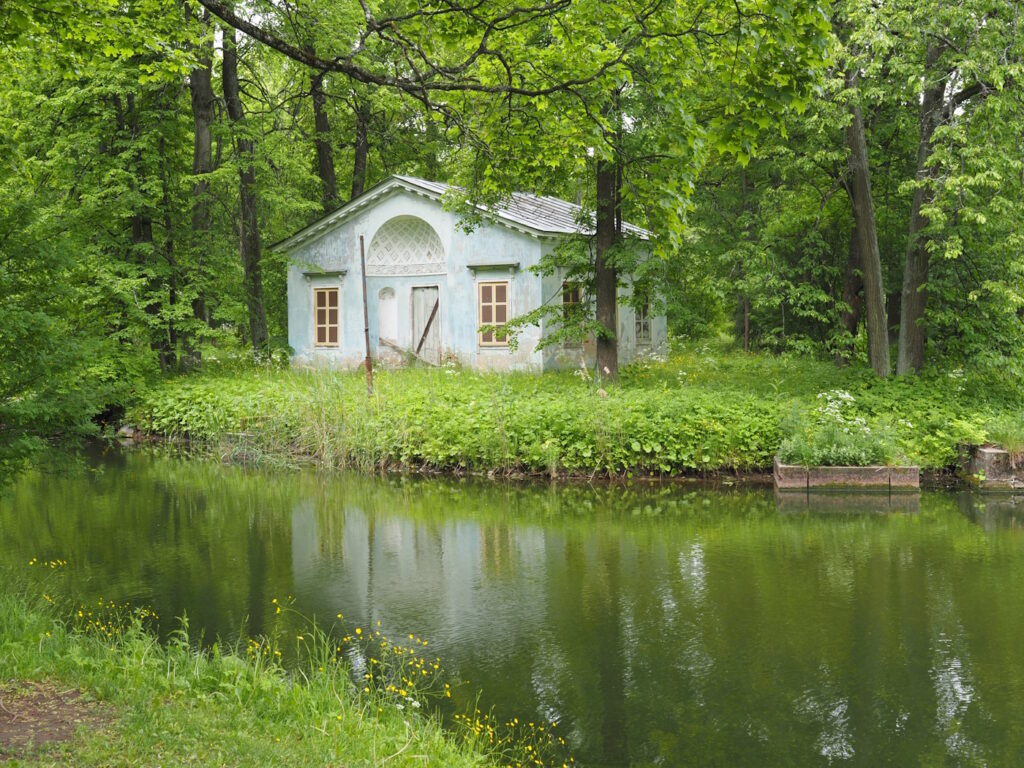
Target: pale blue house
[{"x": 430, "y": 285}]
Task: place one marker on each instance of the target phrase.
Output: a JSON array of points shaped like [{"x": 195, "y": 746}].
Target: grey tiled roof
[
  {"x": 530, "y": 213},
  {"x": 544, "y": 214}
]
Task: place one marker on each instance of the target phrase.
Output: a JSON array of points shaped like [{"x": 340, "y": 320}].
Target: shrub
[{"x": 833, "y": 434}]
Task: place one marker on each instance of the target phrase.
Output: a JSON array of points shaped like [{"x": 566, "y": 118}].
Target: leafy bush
[
  {"x": 834, "y": 435},
  {"x": 705, "y": 409}
]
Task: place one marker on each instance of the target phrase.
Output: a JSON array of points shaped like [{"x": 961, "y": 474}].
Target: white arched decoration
[
  {"x": 387, "y": 315},
  {"x": 405, "y": 245}
]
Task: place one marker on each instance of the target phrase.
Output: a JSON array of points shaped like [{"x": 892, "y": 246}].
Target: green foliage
[
  {"x": 832, "y": 435},
  {"x": 703, "y": 410},
  {"x": 458, "y": 420},
  {"x": 1007, "y": 431},
  {"x": 224, "y": 707},
  {"x": 726, "y": 121}
]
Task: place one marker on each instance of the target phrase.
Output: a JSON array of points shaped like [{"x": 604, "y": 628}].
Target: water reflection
[{"x": 658, "y": 626}]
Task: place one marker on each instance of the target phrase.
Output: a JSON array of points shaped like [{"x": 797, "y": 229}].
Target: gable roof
[{"x": 536, "y": 215}]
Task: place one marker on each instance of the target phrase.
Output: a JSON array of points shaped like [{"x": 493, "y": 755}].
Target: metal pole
[{"x": 366, "y": 319}]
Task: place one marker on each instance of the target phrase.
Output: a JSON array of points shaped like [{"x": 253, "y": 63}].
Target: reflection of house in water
[{"x": 449, "y": 578}]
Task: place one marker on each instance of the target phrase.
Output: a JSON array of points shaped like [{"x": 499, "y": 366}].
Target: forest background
[{"x": 833, "y": 181}]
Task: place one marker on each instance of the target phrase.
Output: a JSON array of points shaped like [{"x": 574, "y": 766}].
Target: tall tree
[
  {"x": 324, "y": 151},
  {"x": 360, "y": 145},
  {"x": 649, "y": 123},
  {"x": 249, "y": 228},
  {"x": 867, "y": 241},
  {"x": 200, "y": 83},
  {"x": 962, "y": 54}
]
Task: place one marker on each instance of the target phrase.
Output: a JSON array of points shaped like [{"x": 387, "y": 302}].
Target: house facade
[{"x": 430, "y": 285}]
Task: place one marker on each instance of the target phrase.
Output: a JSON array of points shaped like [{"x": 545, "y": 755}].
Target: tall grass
[
  {"x": 1007, "y": 431},
  {"x": 703, "y": 410},
  {"x": 174, "y": 705},
  {"x": 344, "y": 697}
]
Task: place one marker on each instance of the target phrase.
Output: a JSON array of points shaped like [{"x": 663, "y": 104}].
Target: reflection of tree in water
[
  {"x": 182, "y": 537},
  {"x": 658, "y": 625},
  {"x": 496, "y": 545}
]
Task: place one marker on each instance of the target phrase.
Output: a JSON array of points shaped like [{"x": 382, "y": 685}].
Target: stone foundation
[
  {"x": 795, "y": 478},
  {"x": 992, "y": 468}
]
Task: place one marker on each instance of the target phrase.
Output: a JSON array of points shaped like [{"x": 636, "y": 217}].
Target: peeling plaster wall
[
  {"x": 571, "y": 355},
  {"x": 337, "y": 249}
]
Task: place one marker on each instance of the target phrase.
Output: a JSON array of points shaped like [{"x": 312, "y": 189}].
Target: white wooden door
[{"x": 426, "y": 324}]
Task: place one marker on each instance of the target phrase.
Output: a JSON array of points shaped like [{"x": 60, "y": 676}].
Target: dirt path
[{"x": 36, "y": 714}]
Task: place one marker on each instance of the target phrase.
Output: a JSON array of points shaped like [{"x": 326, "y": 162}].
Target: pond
[{"x": 657, "y": 625}]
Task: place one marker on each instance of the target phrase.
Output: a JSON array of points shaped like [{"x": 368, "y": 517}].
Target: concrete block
[
  {"x": 993, "y": 463},
  {"x": 848, "y": 477},
  {"x": 790, "y": 476},
  {"x": 908, "y": 478}
]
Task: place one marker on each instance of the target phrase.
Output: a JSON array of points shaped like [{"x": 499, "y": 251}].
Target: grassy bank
[
  {"x": 147, "y": 704},
  {"x": 703, "y": 410}
]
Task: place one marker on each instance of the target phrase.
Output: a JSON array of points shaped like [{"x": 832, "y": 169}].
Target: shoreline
[
  {"x": 687, "y": 420},
  {"x": 945, "y": 479},
  {"x": 130, "y": 693}
]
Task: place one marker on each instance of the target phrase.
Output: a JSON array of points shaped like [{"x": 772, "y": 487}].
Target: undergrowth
[{"x": 703, "y": 410}]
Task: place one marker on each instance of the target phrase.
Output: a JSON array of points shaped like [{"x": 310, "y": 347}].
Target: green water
[{"x": 658, "y": 626}]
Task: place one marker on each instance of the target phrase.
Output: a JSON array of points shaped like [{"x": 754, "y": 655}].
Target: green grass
[
  {"x": 173, "y": 705},
  {"x": 1007, "y": 431},
  {"x": 705, "y": 409}
]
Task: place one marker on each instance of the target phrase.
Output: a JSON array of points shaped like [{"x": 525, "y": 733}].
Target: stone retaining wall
[{"x": 798, "y": 478}]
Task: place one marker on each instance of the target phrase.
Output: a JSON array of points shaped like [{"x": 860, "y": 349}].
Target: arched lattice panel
[{"x": 405, "y": 245}]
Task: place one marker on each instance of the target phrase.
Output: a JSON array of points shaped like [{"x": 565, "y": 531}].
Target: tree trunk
[
  {"x": 867, "y": 239},
  {"x": 853, "y": 285},
  {"x": 746, "y": 324},
  {"x": 324, "y": 156},
  {"x": 744, "y": 308},
  {"x": 362, "y": 150},
  {"x": 144, "y": 245},
  {"x": 605, "y": 277},
  {"x": 910, "y": 352},
  {"x": 169, "y": 346},
  {"x": 249, "y": 232},
  {"x": 200, "y": 83}
]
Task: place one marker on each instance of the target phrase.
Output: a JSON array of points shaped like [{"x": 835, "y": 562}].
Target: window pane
[
  {"x": 332, "y": 317},
  {"x": 321, "y": 299},
  {"x": 332, "y": 297},
  {"x": 321, "y": 316},
  {"x": 500, "y": 313},
  {"x": 332, "y": 335},
  {"x": 321, "y": 335},
  {"x": 486, "y": 314},
  {"x": 487, "y": 337},
  {"x": 500, "y": 290},
  {"x": 485, "y": 294}
]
